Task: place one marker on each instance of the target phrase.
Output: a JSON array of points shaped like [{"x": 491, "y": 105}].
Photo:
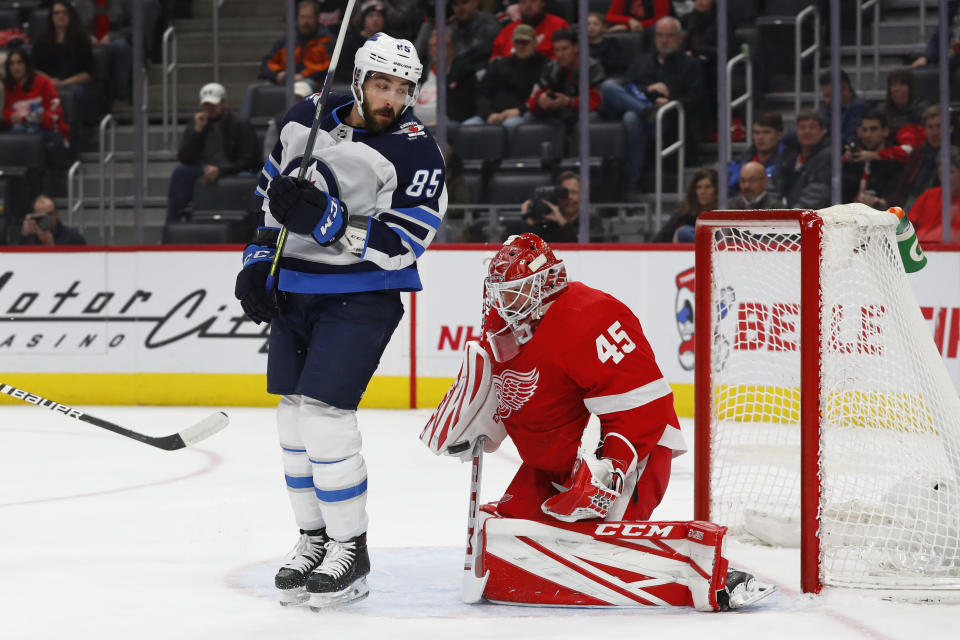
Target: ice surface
[{"x": 104, "y": 537}]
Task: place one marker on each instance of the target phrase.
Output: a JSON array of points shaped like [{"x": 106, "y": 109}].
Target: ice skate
[
  {"x": 342, "y": 576},
  {"x": 742, "y": 590},
  {"x": 304, "y": 558}
]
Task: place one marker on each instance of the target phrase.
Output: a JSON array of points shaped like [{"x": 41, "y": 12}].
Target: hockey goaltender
[{"x": 572, "y": 527}]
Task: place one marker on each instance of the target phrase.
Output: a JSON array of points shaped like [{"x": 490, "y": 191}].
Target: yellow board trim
[
  {"x": 208, "y": 389},
  {"x": 229, "y": 390}
]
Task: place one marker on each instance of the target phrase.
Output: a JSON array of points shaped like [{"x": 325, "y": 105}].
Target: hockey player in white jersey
[{"x": 371, "y": 202}]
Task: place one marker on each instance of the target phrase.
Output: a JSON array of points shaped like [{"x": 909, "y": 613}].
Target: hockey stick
[
  {"x": 191, "y": 435},
  {"x": 473, "y": 584},
  {"x": 312, "y": 138}
]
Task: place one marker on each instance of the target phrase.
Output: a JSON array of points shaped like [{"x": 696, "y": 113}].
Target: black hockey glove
[
  {"x": 257, "y": 301},
  {"x": 304, "y": 209}
]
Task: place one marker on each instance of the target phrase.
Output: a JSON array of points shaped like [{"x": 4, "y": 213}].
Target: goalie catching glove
[
  {"x": 595, "y": 483},
  {"x": 304, "y": 209}
]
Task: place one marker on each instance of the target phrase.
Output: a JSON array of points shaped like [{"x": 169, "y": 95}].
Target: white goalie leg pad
[
  {"x": 467, "y": 411},
  {"x": 297, "y": 470},
  {"x": 626, "y": 564},
  {"x": 332, "y": 440}
]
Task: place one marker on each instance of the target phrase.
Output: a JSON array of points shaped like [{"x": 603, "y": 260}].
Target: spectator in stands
[
  {"x": 557, "y": 93},
  {"x": 700, "y": 27},
  {"x": 311, "y": 52},
  {"x": 852, "y": 107},
  {"x": 926, "y": 214},
  {"x": 30, "y": 102},
  {"x": 700, "y": 42},
  {"x": 109, "y": 23},
  {"x": 533, "y": 13},
  {"x": 473, "y": 33},
  {"x": 330, "y": 13},
  {"x": 920, "y": 170},
  {"x": 461, "y": 89},
  {"x": 372, "y": 19},
  {"x": 606, "y": 51},
  {"x": 869, "y": 173},
  {"x": 636, "y": 15},
  {"x": 652, "y": 80},
  {"x": 43, "y": 227},
  {"x": 301, "y": 89},
  {"x": 701, "y": 196},
  {"x": 931, "y": 54},
  {"x": 403, "y": 17},
  {"x": 553, "y": 213},
  {"x": 217, "y": 143},
  {"x": 767, "y": 146},
  {"x": 31, "y": 105},
  {"x": 753, "y": 189},
  {"x": 503, "y": 91},
  {"x": 804, "y": 173},
  {"x": 65, "y": 54},
  {"x": 903, "y": 109}
]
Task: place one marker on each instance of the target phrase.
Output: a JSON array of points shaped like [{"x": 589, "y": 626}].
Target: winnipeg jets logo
[
  {"x": 411, "y": 129},
  {"x": 513, "y": 390}
]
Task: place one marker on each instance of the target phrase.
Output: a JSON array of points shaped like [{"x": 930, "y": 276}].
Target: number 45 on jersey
[{"x": 618, "y": 345}]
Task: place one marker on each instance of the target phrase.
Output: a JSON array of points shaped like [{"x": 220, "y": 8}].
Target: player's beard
[{"x": 373, "y": 124}]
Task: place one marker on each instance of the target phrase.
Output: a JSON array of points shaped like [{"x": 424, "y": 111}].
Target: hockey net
[{"x": 825, "y": 416}]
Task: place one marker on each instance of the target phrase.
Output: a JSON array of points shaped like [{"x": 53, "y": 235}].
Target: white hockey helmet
[{"x": 385, "y": 54}]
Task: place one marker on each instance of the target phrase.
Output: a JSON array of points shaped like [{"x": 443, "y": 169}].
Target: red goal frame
[{"x": 811, "y": 234}]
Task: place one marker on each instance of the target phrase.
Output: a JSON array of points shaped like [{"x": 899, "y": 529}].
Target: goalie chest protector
[{"x": 588, "y": 345}]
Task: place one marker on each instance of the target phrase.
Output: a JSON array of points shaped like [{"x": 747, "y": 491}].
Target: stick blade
[{"x": 204, "y": 429}]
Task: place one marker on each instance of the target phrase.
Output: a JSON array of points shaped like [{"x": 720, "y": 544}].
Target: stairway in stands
[{"x": 247, "y": 30}]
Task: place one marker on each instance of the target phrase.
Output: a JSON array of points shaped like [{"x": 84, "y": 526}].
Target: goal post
[{"x": 824, "y": 415}]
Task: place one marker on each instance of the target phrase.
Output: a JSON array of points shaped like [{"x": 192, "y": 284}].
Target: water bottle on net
[{"x": 911, "y": 254}]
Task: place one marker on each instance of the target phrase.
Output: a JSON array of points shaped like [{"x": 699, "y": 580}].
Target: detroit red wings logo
[{"x": 513, "y": 390}]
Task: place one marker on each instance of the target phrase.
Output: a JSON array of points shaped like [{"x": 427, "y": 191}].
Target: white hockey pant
[{"x": 326, "y": 476}]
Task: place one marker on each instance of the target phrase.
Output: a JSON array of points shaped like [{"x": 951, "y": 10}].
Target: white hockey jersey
[{"x": 396, "y": 179}]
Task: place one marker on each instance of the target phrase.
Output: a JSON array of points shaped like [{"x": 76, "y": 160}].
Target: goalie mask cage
[{"x": 822, "y": 400}]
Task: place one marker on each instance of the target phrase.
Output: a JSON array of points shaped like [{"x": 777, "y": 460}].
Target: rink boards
[{"x": 160, "y": 325}]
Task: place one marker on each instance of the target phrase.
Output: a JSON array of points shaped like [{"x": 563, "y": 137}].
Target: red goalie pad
[{"x": 626, "y": 564}]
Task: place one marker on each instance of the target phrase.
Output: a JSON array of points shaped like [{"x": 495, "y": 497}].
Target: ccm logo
[
  {"x": 695, "y": 534},
  {"x": 632, "y": 530}
]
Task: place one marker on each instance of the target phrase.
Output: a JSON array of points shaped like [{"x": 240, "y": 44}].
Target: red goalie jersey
[{"x": 587, "y": 355}]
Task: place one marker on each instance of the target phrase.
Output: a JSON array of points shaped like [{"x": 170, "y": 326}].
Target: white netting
[{"x": 890, "y": 417}]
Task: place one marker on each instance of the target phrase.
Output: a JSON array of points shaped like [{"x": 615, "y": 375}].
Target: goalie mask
[
  {"x": 522, "y": 278},
  {"x": 384, "y": 54}
]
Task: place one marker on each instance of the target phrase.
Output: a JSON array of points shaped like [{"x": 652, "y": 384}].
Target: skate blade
[
  {"x": 293, "y": 596},
  {"x": 357, "y": 591}
]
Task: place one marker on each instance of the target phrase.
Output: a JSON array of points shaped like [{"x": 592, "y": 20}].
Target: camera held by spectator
[
  {"x": 42, "y": 226},
  {"x": 541, "y": 196}
]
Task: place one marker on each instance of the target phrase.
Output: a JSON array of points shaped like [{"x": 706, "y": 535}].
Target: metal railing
[
  {"x": 146, "y": 130},
  {"x": 745, "y": 98},
  {"x": 75, "y": 195},
  {"x": 660, "y": 153},
  {"x": 875, "y": 37},
  {"x": 216, "y": 39},
  {"x": 801, "y": 54},
  {"x": 169, "y": 68},
  {"x": 923, "y": 20},
  {"x": 108, "y": 156}
]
